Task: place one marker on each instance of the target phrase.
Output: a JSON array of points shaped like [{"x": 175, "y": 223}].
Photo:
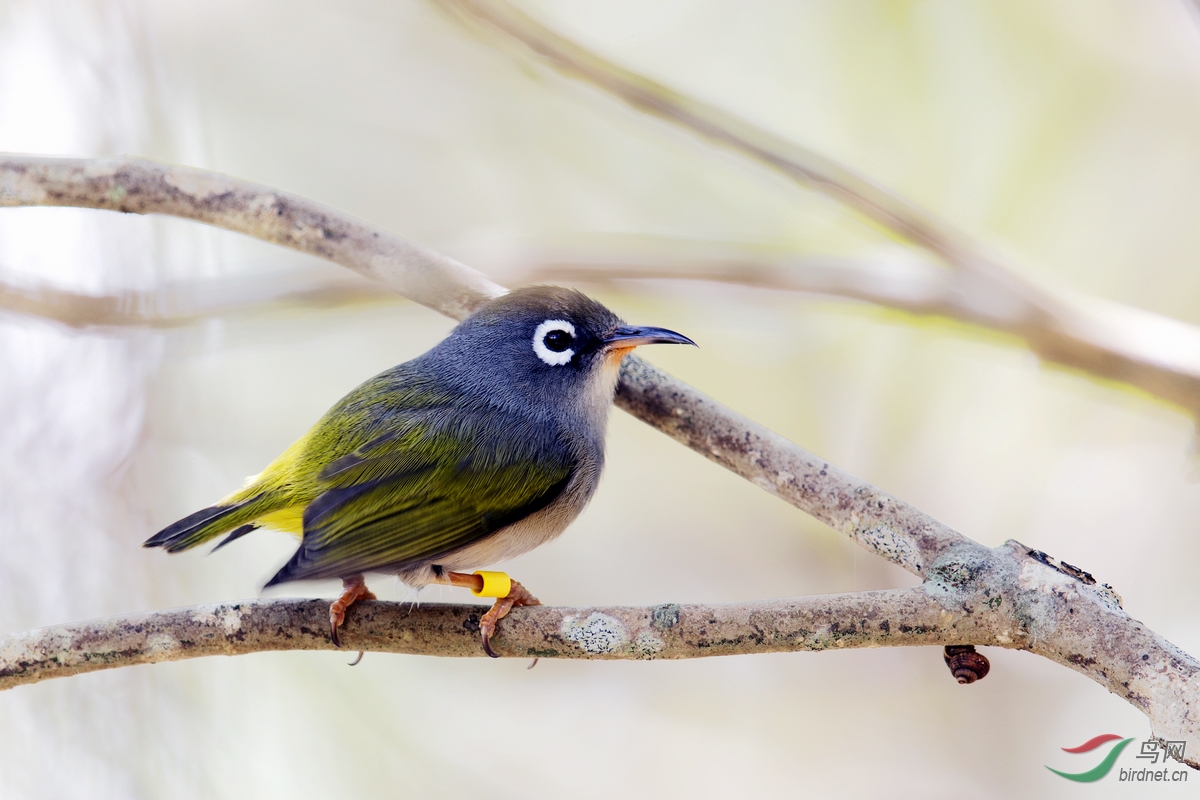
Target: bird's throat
[{"x": 613, "y": 358}]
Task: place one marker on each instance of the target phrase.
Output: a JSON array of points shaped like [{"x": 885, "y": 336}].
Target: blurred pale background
[{"x": 1067, "y": 133}]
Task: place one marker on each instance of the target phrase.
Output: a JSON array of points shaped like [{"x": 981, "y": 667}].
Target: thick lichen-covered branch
[
  {"x": 1010, "y": 597},
  {"x": 895, "y": 617}
]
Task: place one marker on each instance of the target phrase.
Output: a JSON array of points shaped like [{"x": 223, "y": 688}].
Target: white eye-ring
[{"x": 552, "y": 342}]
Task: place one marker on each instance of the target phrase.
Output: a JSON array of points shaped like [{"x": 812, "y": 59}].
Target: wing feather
[{"x": 437, "y": 480}]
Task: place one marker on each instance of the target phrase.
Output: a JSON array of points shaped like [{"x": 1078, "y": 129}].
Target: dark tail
[
  {"x": 237, "y": 534},
  {"x": 205, "y": 524}
]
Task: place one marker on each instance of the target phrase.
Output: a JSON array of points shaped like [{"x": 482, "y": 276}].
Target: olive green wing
[{"x": 437, "y": 480}]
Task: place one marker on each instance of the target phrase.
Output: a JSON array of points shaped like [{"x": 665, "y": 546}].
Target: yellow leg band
[{"x": 495, "y": 584}]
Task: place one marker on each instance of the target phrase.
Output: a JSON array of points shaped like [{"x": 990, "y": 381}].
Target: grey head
[{"x": 543, "y": 351}]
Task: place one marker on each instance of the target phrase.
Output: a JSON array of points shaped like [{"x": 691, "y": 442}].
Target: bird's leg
[
  {"x": 354, "y": 589},
  {"x": 517, "y": 595}
]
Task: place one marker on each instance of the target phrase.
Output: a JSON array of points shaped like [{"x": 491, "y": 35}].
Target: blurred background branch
[
  {"x": 1156, "y": 354},
  {"x": 906, "y": 284},
  {"x": 959, "y": 280},
  {"x": 1107, "y": 340},
  {"x": 188, "y": 301},
  {"x": 142, "y": 187},
  {"x": 967, "y": 283}
]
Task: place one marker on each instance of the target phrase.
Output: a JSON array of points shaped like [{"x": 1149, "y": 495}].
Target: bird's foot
[
  {"x": 518, "y": 595},
  {"x": 508, "y": 593},
  {"x": 354, "y": 589}
]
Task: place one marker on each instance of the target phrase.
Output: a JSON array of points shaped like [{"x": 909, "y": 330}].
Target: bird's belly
[
  {"x": 506, "y": 543},
  {"x": 520, "y": 537}
]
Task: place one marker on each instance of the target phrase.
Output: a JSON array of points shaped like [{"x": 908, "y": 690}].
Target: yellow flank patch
[{"x": 290, "y": 520}]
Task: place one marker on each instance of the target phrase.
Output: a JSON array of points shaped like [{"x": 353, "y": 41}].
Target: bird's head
[{"x": 546, "y": 344}]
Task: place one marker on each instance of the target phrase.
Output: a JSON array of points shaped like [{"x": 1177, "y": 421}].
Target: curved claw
[
  {"x": 487, "y": 646},
  {"x": 353, "y": 590},
  {"x": 333, "y": 626},
  {"x": 518, "y": 596}
]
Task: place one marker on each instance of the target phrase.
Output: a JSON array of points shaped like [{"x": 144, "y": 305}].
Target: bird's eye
[
  {"x": 552, "y": 342},
  {"x": 557, "y": 340}
]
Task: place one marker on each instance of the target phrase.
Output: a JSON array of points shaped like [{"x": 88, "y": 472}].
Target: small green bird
[{"x": 481, "y": 449}]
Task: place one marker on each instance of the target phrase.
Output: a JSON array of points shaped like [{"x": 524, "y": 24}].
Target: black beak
[{"x": 629, "y": 336}]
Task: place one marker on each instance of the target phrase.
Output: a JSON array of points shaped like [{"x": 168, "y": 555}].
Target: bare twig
[
  {"x": 1011, "y": 596},
  {"x": 907, "y": 284},
  {"x": 135, "y": 186},
  {"x": 184, "y": 302},
  {"x": 1157, "y": 354},
  {"x": 882, "y": 524}
]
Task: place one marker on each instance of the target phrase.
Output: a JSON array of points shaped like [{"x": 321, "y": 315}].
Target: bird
[{"x": 486, "y": 446}]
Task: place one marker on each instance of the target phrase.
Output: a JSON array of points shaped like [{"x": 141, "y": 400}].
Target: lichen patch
[
  {"x": 229, "y": 620},
  {"x": 599, "y": 633},
  {"x": 647, "y": 645}
]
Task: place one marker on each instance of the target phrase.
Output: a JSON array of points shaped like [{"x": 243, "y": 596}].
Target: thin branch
[
  {"x": 1155, "y": 353},
  {"x": 905, "y": 284},
  {"x": 879, "y": 522},
  {"x": 1011, "y": 596},
  {"x": 187, "y": 301},
  {"x": 135, "y": 186}
]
